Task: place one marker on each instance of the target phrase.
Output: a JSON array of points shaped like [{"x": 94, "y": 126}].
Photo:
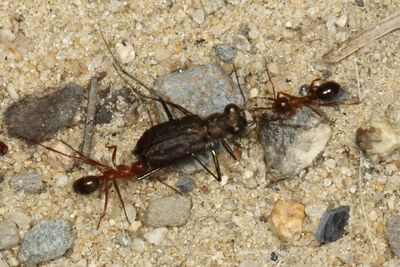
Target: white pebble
[
  {"x": 62, "y": 180},
  {"x": 327, "y": 182},
  {"x": 224, "y": 180},
  {"x": 198, "y": 16},
  {"x": 156, "y": 236},
  {"x": 253, "y": 93},
  {"x": 125, "y": 52},
  {"x": 341, "y": 21},
  {"x": 353, "y": 189}
]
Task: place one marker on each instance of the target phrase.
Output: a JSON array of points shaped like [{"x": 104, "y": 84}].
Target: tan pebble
[
  {"x": 378, "y": 139},
  {"x": 58, "y": 161},
  {"x": 286, "y": 220}
]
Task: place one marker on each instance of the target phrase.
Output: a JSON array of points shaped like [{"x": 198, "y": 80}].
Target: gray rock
[
  {"x": 291, "y": 145},
  {"x": 30, "y": 182},
  {"x": 212, "y": 6},
  {"x": 203, "y": 90},
  {"x": 331, "y": 226},
  {"x": 123, "y": 239},
  {"x": 9, "y": 234},
  {"x": 186, "y": 184},
  {"x": 47, "y": 240},
  {"x": 393, "y": 233},
  {"x": 39, "y": 118},
  {"x": 225, "y": 52},
  {"x": 168, "y": 211}
]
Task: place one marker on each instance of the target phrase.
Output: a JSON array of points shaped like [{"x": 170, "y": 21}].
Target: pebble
[
  {"x": 393, "y": 233},
  {"x": 62, "y": 180},
  {"x": 58, "y": 161},
  {"x": 378, "y": 139},
  {"x": 203, "y": 89},
  {"x": 212, "y": 6},
  {"x": 123, "y": 239},
  {"x": 186, "y": 184},
  {"x": 6, "y": 36},
  {"x": 316, "y": 210},
  {"x": 225, "y": 52},
  {"x": 341, "y": 21},
  {"x": 171, "y": 210},
  {"x": 21, "y": 219},
  {"x": 30, "y": 182},
  {"x": 156, "y": 236},
  {"x": 47, "y": 240},
  {"x": 331, "y": 226},
  {"x": 286, "y": 220},
  {"x": 241, "y": 43},
  {"x": 9, "y": 234},
  {"x": 39, "y": 118},
  {"x": 199, "y": 16},
  {"x": 162, "y": 54},
  {"x": 304, "y": 137},
  {"x": 124, "y": 52}
]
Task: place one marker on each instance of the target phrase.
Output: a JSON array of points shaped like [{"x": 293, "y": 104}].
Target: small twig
[
  {"x": 367, "y": 224},
  {"x": 90, "y": 114},
  {"x": 366, "y": 36}
]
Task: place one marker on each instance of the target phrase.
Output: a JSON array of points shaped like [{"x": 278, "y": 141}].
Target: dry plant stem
[
  {"x": 90, "y": 113},
  {"x": 364, "y": 213},
  {"x": 366, "y": 36}
]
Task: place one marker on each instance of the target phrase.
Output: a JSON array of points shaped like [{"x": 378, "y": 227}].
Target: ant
[{"x": 285, "y": 106}]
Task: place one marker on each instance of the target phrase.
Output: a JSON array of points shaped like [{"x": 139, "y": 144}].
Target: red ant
[
  {"x": 88, "y": 184},
  {"x": 285, "y": 105},
  {"x": 3, "y": 148}
]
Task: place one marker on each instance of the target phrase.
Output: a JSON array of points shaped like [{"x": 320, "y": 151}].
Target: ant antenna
[
  {"x": 270, "y": 78},
  {"x": 241, "y": 91}
]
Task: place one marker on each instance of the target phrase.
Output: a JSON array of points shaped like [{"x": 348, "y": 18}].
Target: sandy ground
[{"x": 52, "y": 43}]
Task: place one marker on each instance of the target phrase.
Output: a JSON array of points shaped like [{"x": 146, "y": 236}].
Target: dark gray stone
[
  {"x": 47, "y": 240},
  {"x": 332, "y": 223},
  {"x": 30, "y": 182},
  {"x": 225, "y": 52},
  {"x": 186, "y": 184},
  {"x": 291, "y": 145},
  {"x": 39, "y": 118},
  {"x": 168, "y": 211}
]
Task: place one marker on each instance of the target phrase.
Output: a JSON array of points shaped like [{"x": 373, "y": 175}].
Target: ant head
[
  {"x": 234, "y": 120},
  {"x": 86, "y": 185}
]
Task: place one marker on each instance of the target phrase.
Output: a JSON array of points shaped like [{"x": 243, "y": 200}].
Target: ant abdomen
[
  {"x": 329, "y": 91},
  {"x": 86, "y": 185}
]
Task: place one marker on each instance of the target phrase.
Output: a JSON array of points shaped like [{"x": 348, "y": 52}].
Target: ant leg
[
  {"x": 228, "y": 149},
  {"x": 216, "y": 163},
  {"x": 171, "y": 187},
  {"x": 120, "y": 198},
  {"x": 105, "y": 204},
  {"x": 206, "y": 168},
  {"x": 114, "y": 153},
  {"x": 320, "y": 113}
]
